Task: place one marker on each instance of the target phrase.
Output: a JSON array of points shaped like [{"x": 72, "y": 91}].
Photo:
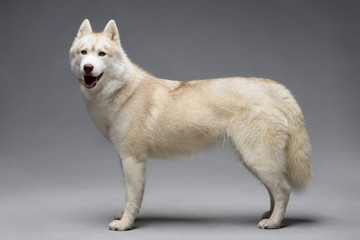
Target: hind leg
[
  {"x": 269, "y": 171},
  {"x": 280, "y": 191},
  {"x": 266, "y": 160}
]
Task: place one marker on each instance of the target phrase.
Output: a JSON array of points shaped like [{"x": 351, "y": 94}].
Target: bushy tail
[{"x": 298, "y": 163}]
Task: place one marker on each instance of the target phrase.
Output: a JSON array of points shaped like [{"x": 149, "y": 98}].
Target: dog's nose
[{"x": 88, "y": 68}]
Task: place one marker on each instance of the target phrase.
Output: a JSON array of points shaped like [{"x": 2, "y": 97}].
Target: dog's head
[{"x": 95, "y": 57}]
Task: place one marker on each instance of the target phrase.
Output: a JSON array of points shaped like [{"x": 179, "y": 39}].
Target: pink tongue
[
  {"x": 90, "y": 81},
  {"x": 91, "y": 85}
]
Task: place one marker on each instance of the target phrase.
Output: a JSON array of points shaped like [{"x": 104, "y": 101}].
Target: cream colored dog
[{"x": 147, "y": 117}]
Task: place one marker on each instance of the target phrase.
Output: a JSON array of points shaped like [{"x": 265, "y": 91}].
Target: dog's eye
[
  {"x": 101, "y": 54},
  {"x": 83, "y": 52}
]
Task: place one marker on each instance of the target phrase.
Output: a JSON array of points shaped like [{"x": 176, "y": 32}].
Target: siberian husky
[{"x": 148, "y": 117}]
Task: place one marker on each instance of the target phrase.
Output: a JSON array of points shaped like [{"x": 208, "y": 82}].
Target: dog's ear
[
  {"x": 84, "y": 28},
  {"x": 112, "y": 32}
]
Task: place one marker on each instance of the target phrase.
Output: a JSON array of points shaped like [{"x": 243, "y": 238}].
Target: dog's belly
[{"x": 178, "y": 143}]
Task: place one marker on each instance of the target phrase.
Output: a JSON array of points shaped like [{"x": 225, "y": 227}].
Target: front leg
[{"x": 134, "y": 176}]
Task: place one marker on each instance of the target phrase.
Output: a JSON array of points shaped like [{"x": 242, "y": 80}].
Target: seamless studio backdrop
[{"x": 59, "y": 177}]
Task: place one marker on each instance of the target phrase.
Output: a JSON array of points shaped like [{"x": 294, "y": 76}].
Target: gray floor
[{"x": 225, "y": 202}]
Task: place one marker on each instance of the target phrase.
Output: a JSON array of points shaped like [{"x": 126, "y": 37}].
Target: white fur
[{"x": 143, "y": 117}]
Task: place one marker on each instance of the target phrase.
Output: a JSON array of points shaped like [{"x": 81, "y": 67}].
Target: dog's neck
[
  {"x": 118, "y": 88},
  {"x": 108, "y": 100}
]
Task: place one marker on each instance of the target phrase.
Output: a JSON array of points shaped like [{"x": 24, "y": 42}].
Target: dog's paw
[
  {"x": 118, "y": 215},
  {"x": 266, "y": 215},
  {"x": 268, "y": 224},
  {"x": 120, "y": 225}
]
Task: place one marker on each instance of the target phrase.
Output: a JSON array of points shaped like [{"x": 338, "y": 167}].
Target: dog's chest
[{"x": 99, "y": 114}]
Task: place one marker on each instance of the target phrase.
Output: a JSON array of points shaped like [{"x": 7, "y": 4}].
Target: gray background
[{"x": 60, "y": 179}]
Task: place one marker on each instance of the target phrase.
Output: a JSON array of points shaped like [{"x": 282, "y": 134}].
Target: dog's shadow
[
  {"x": 288, "y": 222},
  {"x": 143, "y": 221}
]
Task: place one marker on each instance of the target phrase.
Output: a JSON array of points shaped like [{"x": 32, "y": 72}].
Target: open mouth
[{"x": 90, "y": 81}]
